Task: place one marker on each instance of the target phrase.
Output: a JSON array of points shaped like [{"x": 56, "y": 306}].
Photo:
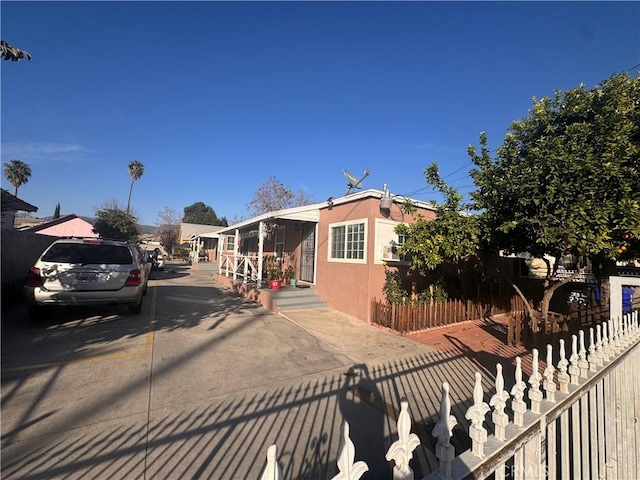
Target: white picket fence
[{"x": 582, "y": 419}]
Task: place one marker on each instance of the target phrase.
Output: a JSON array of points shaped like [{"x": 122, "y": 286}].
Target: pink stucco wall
[
  {"x": 349, "y": 287},
  {"x": 76, "y": 227}
]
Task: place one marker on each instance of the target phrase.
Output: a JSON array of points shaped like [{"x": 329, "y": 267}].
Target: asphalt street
[{"x": 201, "y": 384}]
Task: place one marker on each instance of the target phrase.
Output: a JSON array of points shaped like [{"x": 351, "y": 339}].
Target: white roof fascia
[
  {"x": 306, "y": 213},
  {"x": 379, "y": 194},
  {"x": 311, "y": 213}
]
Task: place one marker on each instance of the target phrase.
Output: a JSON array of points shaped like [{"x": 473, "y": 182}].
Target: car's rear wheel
[
  {"x": 35, "y": 312},
  {"x": 136, "y": 308}
]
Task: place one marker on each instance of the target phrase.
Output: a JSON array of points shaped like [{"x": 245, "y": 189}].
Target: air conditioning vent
[{"x": 389, "y": 253}]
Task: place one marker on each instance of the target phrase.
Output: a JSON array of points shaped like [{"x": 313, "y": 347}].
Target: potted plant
[
  {"x": 290, "y": 275},
  {"x": 274, "y": 275}
]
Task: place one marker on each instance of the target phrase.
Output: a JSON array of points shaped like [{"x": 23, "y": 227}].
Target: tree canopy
[
  {"x": 13, "y": 54},
  {"x": 566, "y": 179},
  {"x": 18, "y": 173},
  {"x": 115, "y": 223},
  {"x": 273, "y": 195},
  {"x": 452, "y": 236},
  {"x": 203, "y": 215},
  {"x": 168, "y": 228},
  {"x": 136, "y": 170}
]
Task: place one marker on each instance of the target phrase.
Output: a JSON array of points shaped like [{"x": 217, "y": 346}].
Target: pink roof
[{"x": 74, "y": 227}]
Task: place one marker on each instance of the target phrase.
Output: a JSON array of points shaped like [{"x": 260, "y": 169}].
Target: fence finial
[
  {"x": 476, "y": 414},
  {"x": 574, "y": 369},
  {"x": 599, "y": 352},
  {"x": 348, "y": 470},
  {"x": 401, "y": 451},
  {"x": 518, "y": 405},
  {"x": 592, "y": 356},
  {"x": 498, "y": 402},
  {"x": 549, "y": 385},
  {"x": 605, "y": 342},
  {"x": 613, "y": 337},
  {"x": 535, "y": 395},
  {"x": 563, "y": 377},
  {"x": 443, "y": 432},
  {"x": 582, "y": 356},
  {"x": 272, "y": 469}
]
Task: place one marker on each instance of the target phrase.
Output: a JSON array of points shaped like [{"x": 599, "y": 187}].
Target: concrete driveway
[{"x": 203, "y": 381}]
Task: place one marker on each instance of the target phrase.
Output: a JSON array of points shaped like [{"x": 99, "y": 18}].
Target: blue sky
[{"x": 214, "y": 97}]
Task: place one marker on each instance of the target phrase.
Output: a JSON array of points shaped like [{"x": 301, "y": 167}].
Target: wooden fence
[
  {"x": 415, "y": 316},
  {"x": 521, "y": 331}
]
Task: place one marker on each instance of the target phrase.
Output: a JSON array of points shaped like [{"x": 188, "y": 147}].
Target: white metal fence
[{"x": 581, "y": 418}]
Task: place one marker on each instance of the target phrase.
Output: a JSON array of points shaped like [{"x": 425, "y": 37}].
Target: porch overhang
[{"x": 301, "y": 214}]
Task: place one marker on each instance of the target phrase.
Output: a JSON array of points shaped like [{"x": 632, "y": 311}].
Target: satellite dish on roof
[{"x": 353, "y": 182}]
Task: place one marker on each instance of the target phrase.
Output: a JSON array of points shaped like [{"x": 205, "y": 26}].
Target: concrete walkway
[{"x": 201, "y": 384}]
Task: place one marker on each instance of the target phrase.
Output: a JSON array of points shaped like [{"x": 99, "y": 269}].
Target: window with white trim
[
  {"x": 348, "y": 241},
  {"x": 230, "y": 244}
]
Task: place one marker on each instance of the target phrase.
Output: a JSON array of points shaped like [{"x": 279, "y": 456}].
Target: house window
[
  {"x": 231, "y": 241},
  {"x": 348, "y": 242},
  {"x": 279, "y": 242}
]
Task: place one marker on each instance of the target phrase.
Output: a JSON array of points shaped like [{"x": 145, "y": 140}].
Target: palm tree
[
  {"x": 136, "y": 169},
  {"x": 18, "y": 173}
]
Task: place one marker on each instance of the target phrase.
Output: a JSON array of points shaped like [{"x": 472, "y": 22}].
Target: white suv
[{"x": 88, "y": 271}]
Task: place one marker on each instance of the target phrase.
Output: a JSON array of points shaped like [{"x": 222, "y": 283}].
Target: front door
[{"x": 308, "y": 252}]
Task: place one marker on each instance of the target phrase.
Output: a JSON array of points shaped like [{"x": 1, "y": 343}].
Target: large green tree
[
  {"x": 136, "y": 170},
  {"x": 566, "y": 179},
  {"x": 115, "y": 223},
  {"x": 18, "y": 173},
  {"x": 203, "y": 215}
]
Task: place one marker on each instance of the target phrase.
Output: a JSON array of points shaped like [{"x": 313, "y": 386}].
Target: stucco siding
[{"x": 350, "y": 286}]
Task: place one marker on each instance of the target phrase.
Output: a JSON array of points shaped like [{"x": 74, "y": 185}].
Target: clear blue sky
[{"x": 214, "y": 97}]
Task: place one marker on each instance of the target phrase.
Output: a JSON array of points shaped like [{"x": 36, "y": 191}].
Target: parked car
[{"x": 88, "y": 271}]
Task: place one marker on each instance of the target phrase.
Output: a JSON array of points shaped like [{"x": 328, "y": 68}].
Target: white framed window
[
  {"x": 230, "y": 243},
  {"x": 348, "y": 242}
]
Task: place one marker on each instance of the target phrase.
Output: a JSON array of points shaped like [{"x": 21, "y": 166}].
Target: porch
[{"x": 302, "y": 296}]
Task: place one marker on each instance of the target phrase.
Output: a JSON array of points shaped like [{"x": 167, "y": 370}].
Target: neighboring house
[
  {"x": 338, "y": 247},
  {"x": 202, "y": 240},
  {"x": 65, "y": 226},
  {"x": 10, "y": 205}
]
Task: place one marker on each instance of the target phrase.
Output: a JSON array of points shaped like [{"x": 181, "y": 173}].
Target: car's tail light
[
  {"x": 134, "y": 278},
  {"x": 33, "y": 278}
]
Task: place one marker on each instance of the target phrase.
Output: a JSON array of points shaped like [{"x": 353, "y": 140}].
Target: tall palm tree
[
  {"x": 18, "y": 173},
  {"x": 136, "y": 169}
]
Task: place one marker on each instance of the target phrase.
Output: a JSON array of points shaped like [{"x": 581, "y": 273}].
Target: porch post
[
  {"x": 260, "y": 252},
  {"x": 235, "y": 254}
]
